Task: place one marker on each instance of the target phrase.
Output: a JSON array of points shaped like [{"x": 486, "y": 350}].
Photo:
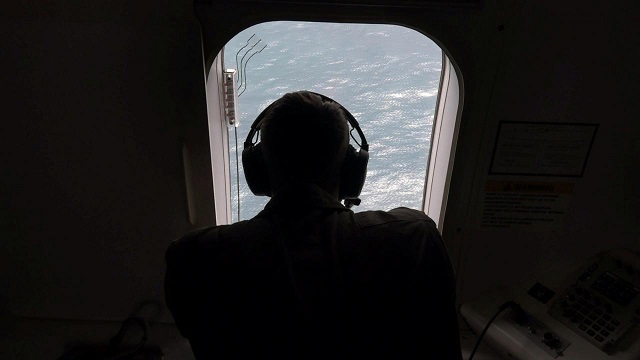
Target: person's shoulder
[
  {"x": 209, "y": 238},
  {"x": 401, "y": 231},
  {"x": 398, "y": 215},
  {"x": 191, "y": 241},
  {"x": 197, "y": 239}
]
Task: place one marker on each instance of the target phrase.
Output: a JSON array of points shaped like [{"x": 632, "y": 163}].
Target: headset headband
[{"x": 257, "y": 123}]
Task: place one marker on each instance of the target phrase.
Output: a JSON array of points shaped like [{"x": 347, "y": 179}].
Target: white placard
[{"x": 544, "y": 149}]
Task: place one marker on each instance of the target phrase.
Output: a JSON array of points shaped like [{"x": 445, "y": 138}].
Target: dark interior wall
[
  {"x": 99, "y": 101},
  {"x": 560, "y": 63}
]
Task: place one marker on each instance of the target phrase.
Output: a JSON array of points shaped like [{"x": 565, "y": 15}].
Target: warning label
[{"x": 540, "y": 205}]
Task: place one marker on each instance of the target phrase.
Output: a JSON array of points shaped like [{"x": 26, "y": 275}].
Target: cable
[
  {"x": 247, "y": 44},
  {"x": 149, "y": 310},
  {"x": 329, "y": 254},
  {"x": 502, "y": 308},
  {"x": 242, "y": 76},
  {"x": 116, "y": 341},
  {"x": 235, "y": 132},
  {"x": 245, "y": 70},
  {"x": 354, "y": 138},
  {"x": 282, "y": 241}
]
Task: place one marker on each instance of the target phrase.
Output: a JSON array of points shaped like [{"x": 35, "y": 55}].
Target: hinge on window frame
[{"x": 230, "y": 97}]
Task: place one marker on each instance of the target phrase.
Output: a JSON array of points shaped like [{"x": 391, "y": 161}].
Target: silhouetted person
[{"x": 307, "y": 277}]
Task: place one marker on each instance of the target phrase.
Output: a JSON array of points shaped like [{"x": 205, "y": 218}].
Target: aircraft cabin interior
[{"x": 517, "y": 122}]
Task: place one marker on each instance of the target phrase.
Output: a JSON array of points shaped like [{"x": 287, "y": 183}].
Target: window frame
[
  {"x": 444, "y": 139},
  {"x": 439, "y": 161},
  {"x": 219, "y": 139}
]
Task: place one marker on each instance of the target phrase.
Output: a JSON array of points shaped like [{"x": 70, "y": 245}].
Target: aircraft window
[{"x": 388, "y": 77}]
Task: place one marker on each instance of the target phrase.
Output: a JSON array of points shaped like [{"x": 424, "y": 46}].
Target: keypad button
[
  {"x": 604, "y": 333},
  {"x": 591, "y": 332},
  {"x": 599, "y": 338},
  {"x": 596, "y": 327},
  {"x": 588, "y": 322},
  {"x": 601, "y": 322},
  {"x": 582, "y": 301},
  {"x": 582, "y": 327},
  {"x": 597, "y": 301},
  {"x": 593, "y": 316},
  {"x": 584, "y": 311},
  {"x": 610, "y": 327},
  {"x": 598, "y": 311}
]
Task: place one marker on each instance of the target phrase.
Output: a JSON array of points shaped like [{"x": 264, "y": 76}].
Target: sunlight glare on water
[{"x": 387, "y": 76}]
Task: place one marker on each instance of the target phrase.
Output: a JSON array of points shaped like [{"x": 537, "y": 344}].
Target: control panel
[
  {"x": 539, "y": 333},
  {"x": 589, "y": 311},
  {"x": 603, "y": 303}
]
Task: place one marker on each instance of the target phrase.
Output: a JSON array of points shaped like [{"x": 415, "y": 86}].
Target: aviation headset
[{"x": 354, "y": 169}]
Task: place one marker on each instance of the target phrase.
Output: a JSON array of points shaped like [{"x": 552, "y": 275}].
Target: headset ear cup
[
  {"x": 255, "y": 170},
  {"x": 354, "y": 173}
]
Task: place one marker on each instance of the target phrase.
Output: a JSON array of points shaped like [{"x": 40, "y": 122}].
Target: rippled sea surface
[{"x": 387, "y": 76}]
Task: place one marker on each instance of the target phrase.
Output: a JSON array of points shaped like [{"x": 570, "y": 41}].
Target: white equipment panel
[{"x": 590, "y": 313}]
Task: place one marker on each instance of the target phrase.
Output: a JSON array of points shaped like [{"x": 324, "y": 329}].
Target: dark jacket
[{"x": 308, "y": 278}]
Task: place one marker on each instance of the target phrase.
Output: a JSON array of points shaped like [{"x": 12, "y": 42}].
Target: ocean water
[{"x": 387, "y": 76}]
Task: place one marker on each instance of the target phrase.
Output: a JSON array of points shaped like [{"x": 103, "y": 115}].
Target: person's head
[{"x": 305, "y": 139}]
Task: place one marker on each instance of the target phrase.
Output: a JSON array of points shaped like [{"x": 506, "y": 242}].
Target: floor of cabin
[{"x": 48, "y": 339}]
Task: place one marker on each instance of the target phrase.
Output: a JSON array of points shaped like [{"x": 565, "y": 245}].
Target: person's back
[{"x": 308, "y": 278}]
